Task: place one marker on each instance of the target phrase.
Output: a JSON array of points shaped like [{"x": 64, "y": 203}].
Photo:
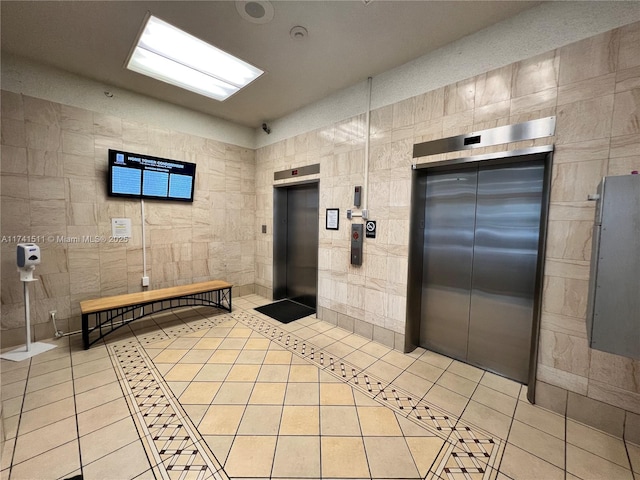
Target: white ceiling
[{"x": 348, "y": 41}]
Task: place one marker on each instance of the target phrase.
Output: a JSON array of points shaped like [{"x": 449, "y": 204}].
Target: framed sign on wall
[{"x": 333, "y": 218}]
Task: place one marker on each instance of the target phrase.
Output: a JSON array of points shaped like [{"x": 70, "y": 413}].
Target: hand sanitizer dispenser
[{"x": 28, "y": 256}]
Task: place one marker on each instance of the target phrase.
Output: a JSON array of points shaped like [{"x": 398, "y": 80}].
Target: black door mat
[{"x": 286, "y": 311}]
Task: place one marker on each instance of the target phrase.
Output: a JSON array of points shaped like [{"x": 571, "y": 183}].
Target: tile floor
[{"x": 206, "y": 395}]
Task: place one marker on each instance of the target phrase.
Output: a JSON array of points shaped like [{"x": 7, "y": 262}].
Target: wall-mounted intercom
[
  {"x": 356, "y": 244},
  {"x": 357, "y": 196}
]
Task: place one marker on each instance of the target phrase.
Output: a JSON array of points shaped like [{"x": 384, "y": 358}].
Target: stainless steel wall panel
[
  {"x": 448, "y": 252},
  {"x": 504, "y": 267},
  {"x": 613, "y": 317}
]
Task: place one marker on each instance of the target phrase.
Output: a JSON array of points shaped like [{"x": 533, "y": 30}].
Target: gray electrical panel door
[{"x": 613, "y": 315}]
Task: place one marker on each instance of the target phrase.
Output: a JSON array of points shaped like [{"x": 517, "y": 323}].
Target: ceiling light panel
[{"x": 171, "y": 55}]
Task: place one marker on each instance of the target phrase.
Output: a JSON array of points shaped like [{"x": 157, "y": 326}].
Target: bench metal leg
[{"x": 85, "y": 330}]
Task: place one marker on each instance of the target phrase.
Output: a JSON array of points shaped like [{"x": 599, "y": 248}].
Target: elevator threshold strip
[{"x": 177, "y": 450}]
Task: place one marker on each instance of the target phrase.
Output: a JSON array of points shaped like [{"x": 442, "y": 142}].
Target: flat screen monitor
[{"x": 135, "y": 175}]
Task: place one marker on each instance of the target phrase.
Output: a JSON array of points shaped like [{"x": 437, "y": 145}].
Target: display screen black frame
[{"x": 124, "y": 166}]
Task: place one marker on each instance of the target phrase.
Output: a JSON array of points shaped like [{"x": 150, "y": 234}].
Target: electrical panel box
[
  {"x": 613, "y": 309},
  {"x": 356, "y": 244}
]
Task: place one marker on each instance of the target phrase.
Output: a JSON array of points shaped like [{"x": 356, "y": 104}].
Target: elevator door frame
[
  {"x": 416, "y": 243},
  {"x": 280, "y": 229}
]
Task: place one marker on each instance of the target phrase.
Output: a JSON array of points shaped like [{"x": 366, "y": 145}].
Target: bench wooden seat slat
[
  {"x": 128, "y": 299},
  {"x": 110, "y": 313}
]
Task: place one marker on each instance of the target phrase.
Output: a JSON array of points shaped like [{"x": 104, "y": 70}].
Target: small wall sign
[
  {"x": 370, "y": 229},
  {"x": 121, "y": 227},
  {"x": 333, "y": 218}
]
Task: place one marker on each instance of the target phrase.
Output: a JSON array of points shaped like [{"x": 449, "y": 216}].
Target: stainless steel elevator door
[
  {"x": 504, "y": 267},
  {"x": 450, "y": 207},
  {"x": 479, "y": 264},
  {"x": 302, "y": 244}
]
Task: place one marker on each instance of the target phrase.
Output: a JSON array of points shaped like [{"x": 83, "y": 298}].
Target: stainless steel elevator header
[
  {"x": 487, "y": 156},
  {"x": 540, "y": 128},
  {"x": 297, "y": 172}
]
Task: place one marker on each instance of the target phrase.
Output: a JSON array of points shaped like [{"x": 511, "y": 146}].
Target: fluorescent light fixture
[{"x": 171, "y": 55}]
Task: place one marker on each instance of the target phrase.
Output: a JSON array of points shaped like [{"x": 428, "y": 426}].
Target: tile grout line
[
  {"x": 626, "y": 447},
  {"x": 75, "y": 408},
  {"x": 594, "y": 454},
  {"x": 15, "y": 444},
  {"x": 513, "y": 419}
]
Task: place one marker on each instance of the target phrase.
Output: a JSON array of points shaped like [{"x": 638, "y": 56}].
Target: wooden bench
[{"x": 110, "y": 313}]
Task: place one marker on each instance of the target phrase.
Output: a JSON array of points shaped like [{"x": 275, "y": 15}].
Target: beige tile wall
[
  {"x": 593, "y": 87},
  {"x": 54, "y": 174}
]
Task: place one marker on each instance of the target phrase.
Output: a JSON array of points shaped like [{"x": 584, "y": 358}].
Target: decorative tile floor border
[
  {"x": 169, "y": 437},
  {"x": 179, "y": 451}
]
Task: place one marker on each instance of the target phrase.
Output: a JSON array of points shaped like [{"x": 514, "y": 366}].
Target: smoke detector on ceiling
[{"x": 255, "y": 11}]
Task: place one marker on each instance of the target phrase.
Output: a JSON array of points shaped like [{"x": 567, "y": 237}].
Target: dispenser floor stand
[{"x": 29, "y": 349}]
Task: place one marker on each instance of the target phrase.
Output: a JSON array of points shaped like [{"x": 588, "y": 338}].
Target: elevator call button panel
[{"x": 356, "y": 244}]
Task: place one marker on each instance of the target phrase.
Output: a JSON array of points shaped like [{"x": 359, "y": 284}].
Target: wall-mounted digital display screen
[{"x": 135, "y": 175}]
